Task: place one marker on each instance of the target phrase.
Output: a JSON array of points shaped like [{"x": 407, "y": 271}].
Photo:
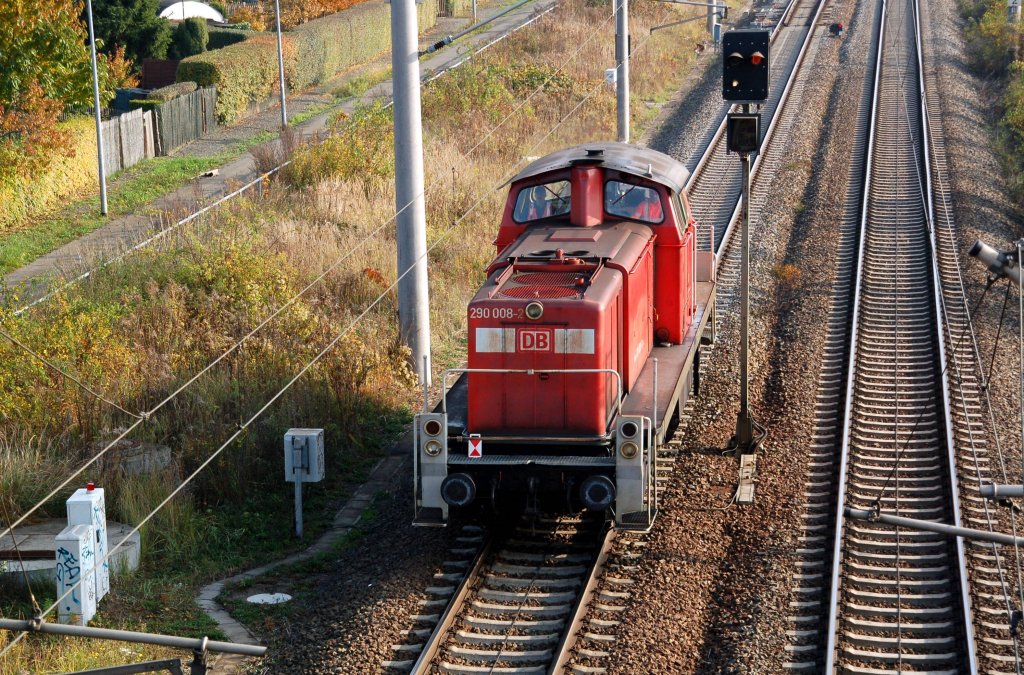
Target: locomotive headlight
[
  {"x": 432, "y": 448},
  {"x": 534, "y": 311},
  {"x": 629, "y": 450}
]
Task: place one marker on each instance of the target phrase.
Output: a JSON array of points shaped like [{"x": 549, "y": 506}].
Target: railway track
[
  {"x": 520, "y": 605},
  {"x": 892, "y": 599}
]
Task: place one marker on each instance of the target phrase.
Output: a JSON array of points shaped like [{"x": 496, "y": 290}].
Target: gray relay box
[{"x": 304, "y": 455}]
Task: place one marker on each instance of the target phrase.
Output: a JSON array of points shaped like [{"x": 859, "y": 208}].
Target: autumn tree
[{"x": 45, "y": 67}]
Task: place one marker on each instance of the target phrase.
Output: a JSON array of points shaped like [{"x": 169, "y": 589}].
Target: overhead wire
[
  {"x": 142, "y": 417},
  {"x": 482, "y": 197},
  {"x": 64, "y": 373}
]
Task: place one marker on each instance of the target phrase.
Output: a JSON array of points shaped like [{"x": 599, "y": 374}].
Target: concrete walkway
[
  {"x": 382, "y": 478},
  {"x": 124, "y": 232}
]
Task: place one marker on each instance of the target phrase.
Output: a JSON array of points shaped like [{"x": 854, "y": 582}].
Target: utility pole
[
  {"x": 280, "y": 63},
  {"x": 99, "y": 117},
  {"x": 711, "y": 16},
  {"x": 411, "y": 222},
  {"x": 622, "y": 65}
]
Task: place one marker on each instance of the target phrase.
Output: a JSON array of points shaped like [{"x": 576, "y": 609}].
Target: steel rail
[
  {"x": 857, "y": 351},
  {"x": 563, "y": 652},
  {"x": 844, "y": 451},
  {"x": 474, "y": 585},
  {"x": 454, "y": 608},
  {"x": 940, "y": 335}
]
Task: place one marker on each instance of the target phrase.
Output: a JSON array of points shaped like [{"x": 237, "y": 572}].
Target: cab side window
[
  {"x": 542, "y": 201},
  {"x": 633, "y": 201}
]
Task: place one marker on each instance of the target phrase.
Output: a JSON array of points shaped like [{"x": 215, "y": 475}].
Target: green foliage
[
  {"x": 134, "y": 24},
  {"x": 190, "y": 38},
  {"x": 45, "y": 42},
  {"x": 246, "y": 72},
  {"x": 219, "y": 6},
  {"x": 224, "y": 37},
  {"x": 467, "y": 90},
  {"x": 991, "y": 38},
  {"x": 359, "y": 148}
]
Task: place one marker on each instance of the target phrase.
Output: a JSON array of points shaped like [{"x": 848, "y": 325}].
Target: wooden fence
[
  {"x": 186, "y": 118},
  {"x": 128, "y": 139}
]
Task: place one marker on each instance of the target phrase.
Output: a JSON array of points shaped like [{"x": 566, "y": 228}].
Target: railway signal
[
  {"x": 745, "y": 66},
  {"x": 745, "y": 79}
]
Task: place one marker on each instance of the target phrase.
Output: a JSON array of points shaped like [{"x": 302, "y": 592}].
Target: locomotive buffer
[{"x": 745, "y": 80}]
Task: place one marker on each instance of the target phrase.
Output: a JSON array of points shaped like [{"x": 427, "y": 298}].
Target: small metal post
[
  {"x": 198, "y": 665},
  {"x": 298, "y": 509},
  {"x": 280, "y": 64},
  {"x": 474, "y": 11},
  {"x": 99, "y": 119},
  {"x": 744, "y": 438},
  {"x": 622, "y": 68},
  {"x": 711, "y": 16},
  {"x": 298, "y": 470},
  {"x": 411, "y": 222}
]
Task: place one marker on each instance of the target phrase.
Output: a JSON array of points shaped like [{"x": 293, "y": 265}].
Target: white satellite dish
[{"x": 187, "y": 9}]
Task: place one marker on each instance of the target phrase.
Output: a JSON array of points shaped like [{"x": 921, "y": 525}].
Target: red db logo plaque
[{"x": 534, "y": 340}]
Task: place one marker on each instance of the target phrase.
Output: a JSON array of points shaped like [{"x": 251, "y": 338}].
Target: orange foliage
[
  {"x": 121, "y": 69},
  {"x": 29, "y": 133}
]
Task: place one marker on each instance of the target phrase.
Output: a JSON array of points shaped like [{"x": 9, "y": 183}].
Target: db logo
[{"x": 534, "y": 340}]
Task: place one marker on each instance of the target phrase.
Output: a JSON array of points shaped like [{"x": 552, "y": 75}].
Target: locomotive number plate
[{"x": 496, "y": 313}]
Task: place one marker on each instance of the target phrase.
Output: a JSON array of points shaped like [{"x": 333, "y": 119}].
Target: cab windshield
[
  {"x": 542, "y": 201},
  {"x": 633, "y": 201}
]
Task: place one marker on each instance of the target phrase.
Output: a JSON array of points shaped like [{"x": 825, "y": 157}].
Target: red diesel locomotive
[{"x": 584, "y": 343}]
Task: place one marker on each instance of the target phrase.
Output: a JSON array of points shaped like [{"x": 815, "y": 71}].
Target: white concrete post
[
  {"x": 622, "y": 64},
  {"x": 411, "y": 224},
  {"x": 280, "y": 63},
  {"x": 76, "y": 556},
  {"x": 99, "y": 117},
  {"x": 87, "y": 507}
]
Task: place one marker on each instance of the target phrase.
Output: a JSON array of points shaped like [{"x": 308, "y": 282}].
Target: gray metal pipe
[
  {"x": 132, "y": 636},
  {"x": 99, "y": 119},
  {"x": 622, "y": 68},
  {"x": 939, "y": 528},
  {"x": 280, "y": 64},
  {"x": 448, "y": 39},
  {"x": 411, "y": 219},
  {"x": 1001, "y": 491}
]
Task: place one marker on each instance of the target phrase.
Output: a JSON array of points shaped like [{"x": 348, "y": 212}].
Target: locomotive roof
[{"x": 630, "y": 159}]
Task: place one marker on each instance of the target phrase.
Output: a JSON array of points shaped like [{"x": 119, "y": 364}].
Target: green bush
[
  {"x": 172, "y": 91},
  {"x": 246, "y": 72},
  {"x": 360, "y": 147},
  {"x": 225, "y": 37},
  {"x": 146, "y": 103},
  {"x": 66, "y": 177},
  {"x": 190, "y": 38}
]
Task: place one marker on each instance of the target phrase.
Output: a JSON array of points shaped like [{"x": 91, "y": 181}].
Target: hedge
[
  {"x": 246, "y": 72},
  {"x": 63, "y": 181},
  {"x": 171, "y": 91},
  {"x": 225, "y": 37}
]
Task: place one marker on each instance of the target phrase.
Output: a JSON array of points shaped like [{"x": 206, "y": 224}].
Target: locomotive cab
[{"x": 583, "y": 342}]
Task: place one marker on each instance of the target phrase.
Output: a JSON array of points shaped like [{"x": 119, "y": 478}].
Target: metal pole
[
  {"x": 280, "y": 63},
  {"x": 622, "y": 67},
  {"x": 744, "y": 438},
  {"x": 711, "y": 16},
  {"x": 298, "y": 506},
  {"x": 411, "y": 223},
  {"x": 96, "y": 105},
  {"x": 931, "y": 526},
  {"x": 40, "y": 626},
  {"x": 474, "y": 11}
]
